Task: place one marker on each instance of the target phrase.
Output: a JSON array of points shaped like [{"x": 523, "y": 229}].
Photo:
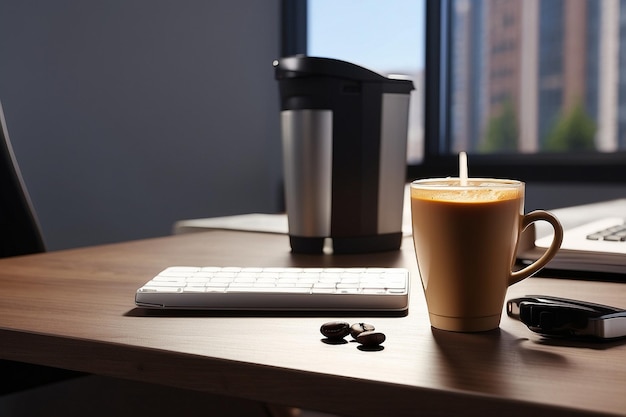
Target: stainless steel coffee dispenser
[{"x": 344, "y": 134}]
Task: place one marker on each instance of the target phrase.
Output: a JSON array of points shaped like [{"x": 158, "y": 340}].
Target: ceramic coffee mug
[{"x": 465, "y": 241}]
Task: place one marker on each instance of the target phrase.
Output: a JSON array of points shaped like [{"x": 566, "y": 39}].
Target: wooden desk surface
[{"x": 75, "y": 309}]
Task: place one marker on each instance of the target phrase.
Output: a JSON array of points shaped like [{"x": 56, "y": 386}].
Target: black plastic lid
[{"x": 306, "y": 66}]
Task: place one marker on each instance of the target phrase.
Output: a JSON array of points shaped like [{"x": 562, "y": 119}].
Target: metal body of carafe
[{"x": 344, "y": 135}]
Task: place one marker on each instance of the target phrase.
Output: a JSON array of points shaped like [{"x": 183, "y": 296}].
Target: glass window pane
[
  {"x": 538, "y": 76},
  {"x": 386, "y": 37}
]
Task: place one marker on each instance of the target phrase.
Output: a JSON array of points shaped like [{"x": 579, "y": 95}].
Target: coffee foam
[{"x": 473, "y": 194}]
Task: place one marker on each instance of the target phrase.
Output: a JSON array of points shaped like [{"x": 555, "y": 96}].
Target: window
[
  {"x": 534, "y": 90},
  {"x": 386, "y": 37}
]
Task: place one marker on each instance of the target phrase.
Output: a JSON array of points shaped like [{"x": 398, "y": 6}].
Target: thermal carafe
[{"x": 344, "y": 136}]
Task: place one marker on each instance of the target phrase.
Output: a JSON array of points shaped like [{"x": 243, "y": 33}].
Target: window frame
[{"x": 570, "y": 167}]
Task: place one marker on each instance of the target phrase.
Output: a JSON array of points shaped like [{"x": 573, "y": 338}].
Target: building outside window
[
  {"x": 524, "y": 79},
  {"x": 549, "y": 70}
]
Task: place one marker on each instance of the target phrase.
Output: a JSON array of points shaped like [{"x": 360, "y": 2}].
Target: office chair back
[
  {"x": 19, "y": 235},
  {"x": 19, "y": 230}
]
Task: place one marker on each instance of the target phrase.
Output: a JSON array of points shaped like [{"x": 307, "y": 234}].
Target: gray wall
[{"x": 127, "y": 115}]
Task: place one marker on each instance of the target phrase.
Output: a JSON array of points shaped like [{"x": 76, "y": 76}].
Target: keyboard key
[{"x": 611, "y": 234}]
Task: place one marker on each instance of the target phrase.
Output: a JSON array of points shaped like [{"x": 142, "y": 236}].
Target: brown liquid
[{"x": 465, "y": 251}]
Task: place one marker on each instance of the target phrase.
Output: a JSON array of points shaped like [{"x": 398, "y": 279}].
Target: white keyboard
[{"x": 275, "y": 289}]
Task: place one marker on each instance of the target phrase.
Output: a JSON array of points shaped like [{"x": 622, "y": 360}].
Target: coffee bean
[
  {"x": 371, "y": 338},
  {"x": 335, "y": 329},
  {"x": 358, "y": 328}
]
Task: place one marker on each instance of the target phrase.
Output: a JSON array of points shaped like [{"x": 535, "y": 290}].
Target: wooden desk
[{"x": 75, "y": 309}]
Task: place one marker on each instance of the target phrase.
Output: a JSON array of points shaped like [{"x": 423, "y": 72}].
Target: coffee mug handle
[{"x": 531, "y": 269}]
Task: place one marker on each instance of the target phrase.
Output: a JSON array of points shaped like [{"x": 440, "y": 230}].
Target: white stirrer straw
[{"x": 463, "y": 168}]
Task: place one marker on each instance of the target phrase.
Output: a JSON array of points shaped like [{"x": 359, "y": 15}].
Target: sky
[{"x": 382, "y": 35}]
